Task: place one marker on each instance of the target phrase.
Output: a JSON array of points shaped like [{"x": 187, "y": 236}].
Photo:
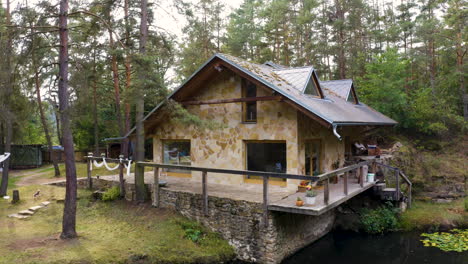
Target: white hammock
[
  {"x": 4, "y": 157},
  {"x": 104, "y": 163}
]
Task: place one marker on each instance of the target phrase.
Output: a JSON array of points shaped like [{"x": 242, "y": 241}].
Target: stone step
[
  {"x": 35, "y": 208},
  {"x": 26, "y": 212},
  {"x": 19, "y": 216},
  {"x": 46, "y": 203}
]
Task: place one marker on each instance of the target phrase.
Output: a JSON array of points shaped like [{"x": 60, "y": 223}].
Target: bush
[
  {"x": 111, "y": 194},
  {"x": 193, "y": 231},
  {"x": 379, "y": 220}
]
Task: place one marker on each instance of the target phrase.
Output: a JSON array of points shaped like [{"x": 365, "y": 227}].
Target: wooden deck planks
[{"x": 336, "y": 198}]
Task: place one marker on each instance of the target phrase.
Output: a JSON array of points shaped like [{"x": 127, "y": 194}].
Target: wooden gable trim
[
  {"x": 317, "y": 84},
  {"x": 234, "y": 100},
  {"x": 353, "y": 91}
]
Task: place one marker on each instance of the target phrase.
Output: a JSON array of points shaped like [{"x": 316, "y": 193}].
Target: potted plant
[
  {"x": 310, "y": 195},
  {"x": 302, "y": 186},
  {"x": 299, "y": 202}
]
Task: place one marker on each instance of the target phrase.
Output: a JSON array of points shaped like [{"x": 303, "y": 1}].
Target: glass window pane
[
  {"x": 270, "y": 157},
  {"x": 177, "y": 153}
]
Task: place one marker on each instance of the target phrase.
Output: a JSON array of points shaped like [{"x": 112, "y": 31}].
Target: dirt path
[{"x": 33, "y": 177}]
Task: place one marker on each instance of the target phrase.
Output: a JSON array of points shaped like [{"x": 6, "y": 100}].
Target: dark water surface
[{"x": 394, "y": 248}]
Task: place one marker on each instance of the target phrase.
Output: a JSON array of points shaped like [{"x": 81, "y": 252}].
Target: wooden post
[
  {"x": 409, "y": 195},
  {"x": 345, "y": 183},
  {"x": 397, "y": 180},
  {"x": 121, "y": 176},
  {"x": 156, "y": 187},
  {"x": 16, "y": 197},
  {"x": 90, "y": 180},
  {"x": 326, "y": 191},
  {"x": 361, "y": 176},
  {"x": 205, "y": 192},
  {"x": 265, "y": 201}
]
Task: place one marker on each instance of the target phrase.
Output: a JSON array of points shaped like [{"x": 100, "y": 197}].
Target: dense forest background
[{"x": 407, "y": 58}]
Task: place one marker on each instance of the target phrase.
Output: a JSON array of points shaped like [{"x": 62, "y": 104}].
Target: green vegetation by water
[
  {"x": 380, "y": 220},
  {"x": 432, "y": 216},
  {"x": 109, "y": 232},
  {"x": 456, "y": 240}
]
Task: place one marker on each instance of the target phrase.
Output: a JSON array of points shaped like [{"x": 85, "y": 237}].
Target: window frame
[
  {"x": 245, "y": 119},
  {"x": 273, "y": 181},
  {"x": 185, "y": 174},
  {"x": 320, "y": 156}
]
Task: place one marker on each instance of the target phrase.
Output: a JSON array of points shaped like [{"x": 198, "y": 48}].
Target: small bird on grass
[{"x": 37, "y": 194}]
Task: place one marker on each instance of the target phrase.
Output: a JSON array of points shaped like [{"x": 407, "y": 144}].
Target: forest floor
[{"x": 109, "y": 232}]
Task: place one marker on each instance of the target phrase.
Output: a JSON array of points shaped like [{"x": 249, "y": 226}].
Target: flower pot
[
  {"x": 301, "y": 188},
  {"x": 370, "y": 177},
  {"x": 310, "y": 200},
  {"x": 299, "y": 203}
]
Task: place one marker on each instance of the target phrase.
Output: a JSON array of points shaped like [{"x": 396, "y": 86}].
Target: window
[
  {"x": 177, "y": 152},
  {"x": 312, "y": 86},
  {"x": 313, "y": 157},
  {"x": 266, "y": 156},
  {"x": 352, "y": 96},
  {"x": 249, "y": 109}
]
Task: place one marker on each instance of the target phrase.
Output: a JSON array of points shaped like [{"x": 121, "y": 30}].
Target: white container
[
  {"x": 370, "y": 177},
  {"x": 310, "y": 200}
]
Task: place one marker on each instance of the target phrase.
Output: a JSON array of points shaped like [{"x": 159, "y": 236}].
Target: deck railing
[
  {"x": 397, "y": 174},
  {"x": 360, "y": 167}
]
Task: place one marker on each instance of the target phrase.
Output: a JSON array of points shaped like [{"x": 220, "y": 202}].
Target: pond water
[{"x": 353, "y": 248}]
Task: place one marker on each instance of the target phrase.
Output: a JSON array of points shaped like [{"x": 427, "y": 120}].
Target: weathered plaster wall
[{"x": 224, "y": 147}]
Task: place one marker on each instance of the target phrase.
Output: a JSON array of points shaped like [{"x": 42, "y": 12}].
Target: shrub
[
  {"x": 379, "y": 220},
  {"x": 111, "y": 194},
  {"x": 193, "y": 231}
]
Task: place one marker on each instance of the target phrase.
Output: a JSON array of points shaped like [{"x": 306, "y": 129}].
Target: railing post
[
  {"x": 121, "y": 177},
  {"x": 409, "y": 195},
  {"x": 90, "y": 180},
  {"x": 205, "y": 192},
  {"x": 361, "y": 175},
  {"x": 265, "y": 201},
  {"x": 397, "y": 180},
  {"x": 345, "y": 183},
  {"x": 156, "y": 187},
  {"x": 326, "y": 193}
]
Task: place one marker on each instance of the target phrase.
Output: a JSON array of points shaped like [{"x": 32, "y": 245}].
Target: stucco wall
[{"x": 225, "y": 147}]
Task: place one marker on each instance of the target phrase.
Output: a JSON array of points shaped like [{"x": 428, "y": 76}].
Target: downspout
[{"x": 335, "y": 126}]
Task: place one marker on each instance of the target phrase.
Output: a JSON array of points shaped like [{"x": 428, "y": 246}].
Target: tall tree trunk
[
  {"x": 116, "y": 82},
  {"x": 341, "y": 39},
  {"x": 69, "y": 210},
  {"x": 140, "y": 101},
  {"x": 95, "y": 110},
  {"x": 45, "y": 126},
  {"x": 7, "y": 114},
  {"x": 128, "y": 78}
]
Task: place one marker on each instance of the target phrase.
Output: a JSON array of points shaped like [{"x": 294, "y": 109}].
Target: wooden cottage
[{"x": 273, "y": 118}]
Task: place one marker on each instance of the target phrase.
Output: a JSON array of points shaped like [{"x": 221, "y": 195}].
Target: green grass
[
  {"x": 112, "y": 232},
  {"x": 429, "y": 215}
]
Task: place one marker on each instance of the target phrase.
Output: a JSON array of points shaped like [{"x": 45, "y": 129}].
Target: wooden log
[
  {"x": 156, "y": 187},
  {"x": 90, "y": 180},
  {"x": 205, "y": 192},
  {"x": 345, "y": 183},
  {"x": 16, "y": 197},
  {"x": 265, "y": 201},
  {"x": 326, "y": 191},
  {"x": 234, "y": 100}
]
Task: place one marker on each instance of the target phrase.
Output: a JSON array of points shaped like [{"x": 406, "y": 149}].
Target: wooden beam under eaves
[{"x": 234, "y": 100}]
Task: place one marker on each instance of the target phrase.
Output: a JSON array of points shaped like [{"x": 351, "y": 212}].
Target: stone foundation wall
[{"x": 241, "y": 222}]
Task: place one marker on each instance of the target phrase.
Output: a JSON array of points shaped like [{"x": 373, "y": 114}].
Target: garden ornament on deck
[
  {"x": 299, "y": 202},
  {"x": 310, "y": 195}
]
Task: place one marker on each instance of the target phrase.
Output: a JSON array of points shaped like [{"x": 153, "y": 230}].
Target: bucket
[{"x": 370, "y": 177}]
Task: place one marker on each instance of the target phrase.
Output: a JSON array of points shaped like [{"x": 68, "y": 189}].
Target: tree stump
[{"x": 16, "y": 197}]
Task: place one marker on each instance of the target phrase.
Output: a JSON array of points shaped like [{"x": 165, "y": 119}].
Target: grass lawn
[
  {"x": 424, "y": 215},
  {"x": 109, "y": 232}
]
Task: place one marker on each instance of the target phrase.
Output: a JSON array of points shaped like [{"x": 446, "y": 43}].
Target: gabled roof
[{"x": 333, "y": 108}]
